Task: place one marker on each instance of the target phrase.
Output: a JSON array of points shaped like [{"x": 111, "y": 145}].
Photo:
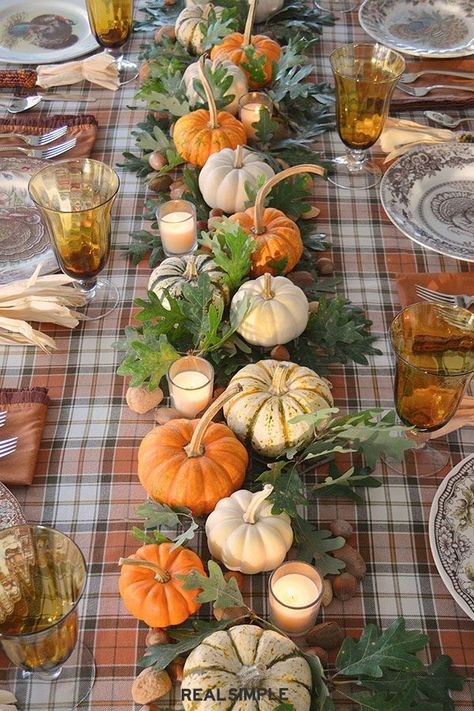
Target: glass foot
[
  {"x": 354, "y": 176},
  {"x": 336, "y": 6},
  {"x": 102, "y": 300},
  {"x": 65, "y": 693},
  {"x": 128, "y": 71},
  {"x": 422, "y": 462}
]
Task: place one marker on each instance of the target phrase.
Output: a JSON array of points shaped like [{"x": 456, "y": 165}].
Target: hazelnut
[
  {"x": 216, "y": 212},
  {"x": 345, "y": 586},
  {"x": 339, "y": 527},
  {"x": 327, "y": 635},
  {"x": 159, "y": 183},
  {"x": 355, "y": 564},
  {"x": 311, "y": 213},
  {"x": 156, "y": 635},
  {"x": 165, "y": 414},
  {"x": 280, "y": 353},
  {"x": 238, "y": 577},
  {"x": 157, "y": 160},
  {"x": 318, "y": 652},
  {"x": 175, "y": 669},
  {"x": 324, "y": 265},
  {"x": 229, "y": 613},
  {"x": 301, "y": 278}
]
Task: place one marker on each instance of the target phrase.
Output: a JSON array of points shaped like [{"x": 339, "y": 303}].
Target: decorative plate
[
  {"x": 452, "y": 533},
  {"x": 34, "y": 32},
  {"x": 424, "y": 28},
  {"x": 24, "y": 241},
  {"x": 10, "y": 510},
  {"x": 429, "y": 195}
]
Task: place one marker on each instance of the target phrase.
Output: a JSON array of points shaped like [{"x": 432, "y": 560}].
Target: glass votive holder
[
  {"x": 191, "y": 384},
  {"x": 177, "y": 225},
  {"x": 295, "y": 591},
  {"x": 251, "y": 106}
]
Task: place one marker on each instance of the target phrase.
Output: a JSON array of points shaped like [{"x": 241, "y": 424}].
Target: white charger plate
[{"x": 44, "y": 32}]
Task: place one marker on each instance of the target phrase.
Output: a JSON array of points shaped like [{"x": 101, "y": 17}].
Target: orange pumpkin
[
  {"x": 199, "y": 134},
  {"x": 277, "y": 236},
  {"x": 192, "y": 463},
  {"x": 151, "y": 589}
]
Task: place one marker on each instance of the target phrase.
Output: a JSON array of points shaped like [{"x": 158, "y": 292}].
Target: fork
[
  {"x": 3, "y": 417},
  {"x": 438, "y": 297},
  {"x": 41, "y": 140},
  {"x": 44, "y": 153},
  {"x": 424, "y": 90},
  {"x": 8, "y": 446},
  {"x": 459, "y": 320},
  {"x": 408, "y": 77}
]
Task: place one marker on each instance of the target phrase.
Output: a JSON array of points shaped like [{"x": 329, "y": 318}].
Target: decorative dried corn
[{"x": 21, "y": 78}]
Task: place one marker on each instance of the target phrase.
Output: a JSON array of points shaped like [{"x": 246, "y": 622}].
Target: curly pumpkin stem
[
  {"x": 259, "y": 227},
  {"x": 194, "y": 448},
  {"x": 208, "y": 91},
  {"x": 249, "y": 22},
  {"x": 239, "y": 158},
  {"x": 251, "y": 676},
  {"x": 207, "y": 10},
  {"x": 191, "y": 272},
  {"x": 161, "y": 575},
  {"x": 278, "y": 386},
  {"x": 258, "y": 499},
  {"x": 267, "y": 287}
]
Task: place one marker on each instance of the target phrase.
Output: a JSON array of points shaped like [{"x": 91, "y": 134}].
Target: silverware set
[
  {"x": 33, "y": 142},
  {"x": 7, "y": 446},
  {"x": 409, "y": 77},
  {"x": 438, "y": 297}
]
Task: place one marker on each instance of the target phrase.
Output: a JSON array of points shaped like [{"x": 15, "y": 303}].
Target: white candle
[
  {"x": 249, "y": 114},
  {"x": 178, "y": 232},
  {"x": 295, "y": 599},
  {"x": 190, "y": 391}
]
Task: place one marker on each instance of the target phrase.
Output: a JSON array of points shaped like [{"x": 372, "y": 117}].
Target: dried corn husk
[
  {"x": 464, "y": 416},
  {"x": 99, "y": 69},
  {"x": 399, "y": 135}
]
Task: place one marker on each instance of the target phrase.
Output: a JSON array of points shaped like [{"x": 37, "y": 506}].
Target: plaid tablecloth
[{"x": 86, "y": 483}]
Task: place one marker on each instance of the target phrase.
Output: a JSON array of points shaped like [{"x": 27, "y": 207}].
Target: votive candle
[
  {"x": 177, "y": 225},
  {"x": 191, "y": 384},
  {"x": 250, "y": 107},
  {"x": 295, "y": 591}
]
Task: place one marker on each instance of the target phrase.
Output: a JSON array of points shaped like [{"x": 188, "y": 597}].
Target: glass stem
[
  {"x": 87, "y": 287},
  {"x": 421, "y": 438},
  {"x": 51, "y": 675},
  {"x": 356, "y": 158}
]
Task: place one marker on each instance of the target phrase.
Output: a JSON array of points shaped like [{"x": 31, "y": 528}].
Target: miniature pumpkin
[
  {"x": 238, "y": 87},
  {"x": 243, "y": 533},
  {"x": 174, "y": 272},
  {"x": 278, "y": 311},
  {"x": 151, "y": 588},
  {"x": 246, "y": 656},
  {"x": 199, "y": 134},
  {"x": 278, "y": 237},
  {"x": 273, "y": 392},
  {"x": 192, "y": 463},
  {"x": 224, "y": 176},
  {"x": 191, "y": 24},
  {"x": 234, "y": 45}
]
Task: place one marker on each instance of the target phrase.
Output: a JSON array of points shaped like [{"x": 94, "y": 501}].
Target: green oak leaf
[
  {"x": 156, "y": 515},
  {"x": 160, "y": 656},
  {"x": 215, "y": 588},
  {"x": 231, "y": 249},
  {"x": 314, "y": 546}
]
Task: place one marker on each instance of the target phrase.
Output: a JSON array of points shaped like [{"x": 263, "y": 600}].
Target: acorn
[
  {"x": 345, "y": 586},
  {"x": 157, "y": 160},
  {"x": 159, "y": 183},
  {"x": 280, "y": 353},
  {"x": 324, "y": 265}
]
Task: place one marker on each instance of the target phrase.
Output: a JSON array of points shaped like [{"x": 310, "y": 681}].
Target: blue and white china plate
[
  {"x": 451, "y": 530},
  {"x": 10, "y": 510}
]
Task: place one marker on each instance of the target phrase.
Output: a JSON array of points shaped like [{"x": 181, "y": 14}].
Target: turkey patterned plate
[
  {"x": 452, "y": 533},
  {"x": 24, "y": 241},
  {"x": 10, "y": 510},
  {"x": 424, "y": 28},
  {"x": 429, "y": 195}
]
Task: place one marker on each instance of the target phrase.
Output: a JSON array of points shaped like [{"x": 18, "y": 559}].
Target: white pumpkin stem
[
  {"x": 267, "y": 287},
  {"x": 259, "y": 227},
  {"x": 207, "y": 10},
  {"x": 161, "y": 575},
  {"x": 258, "y": 499},
  {"x": 239, "y": 157},
  {"x": 251, "y": 676},
  {"x": 208, "y": 92},
  {"x": 194, "y": 448},
  {"x": 191, "y": 272},
  {"x": 278, "y": 386},
  {"x": 249, "y": 22}
]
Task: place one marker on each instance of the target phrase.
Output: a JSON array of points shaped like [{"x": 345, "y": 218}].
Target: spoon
[
  {"x": 443, "y": 119},
  {"x": 23, "y": 103}
]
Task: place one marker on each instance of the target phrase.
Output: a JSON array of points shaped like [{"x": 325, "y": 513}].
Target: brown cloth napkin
[
  {"x": 83, "y": 127},
  {"x": 440, "y": 99},
  {"x": 26, "y": 416},
  {"x": 448, "y": 282}
]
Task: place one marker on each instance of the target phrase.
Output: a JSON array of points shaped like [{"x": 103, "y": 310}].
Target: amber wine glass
[
  {"x": 75, "y": 198},
  {"x": 365, "y": 77},
  {"x": 111, "y": 22},
  {"x": 42, "y": 579},
  {"x": 434, "y": 348}
]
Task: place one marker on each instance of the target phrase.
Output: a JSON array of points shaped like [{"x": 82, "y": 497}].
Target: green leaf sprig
[
  {"x": 158, "y": 515},
  {"x": 231, "y": 250}
]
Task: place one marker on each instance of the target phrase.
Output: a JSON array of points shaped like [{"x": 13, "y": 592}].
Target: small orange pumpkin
[
  {"x": 193, "y": 463},
  {"x": 277, "y": 236},
  {"x": 199, "y": 134},
  {"x": 151, "y": 589},
  {"x": 233, "y": 46}
]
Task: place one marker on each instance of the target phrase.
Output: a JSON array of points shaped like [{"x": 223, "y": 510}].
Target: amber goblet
[{"x": 111, "y": 22}]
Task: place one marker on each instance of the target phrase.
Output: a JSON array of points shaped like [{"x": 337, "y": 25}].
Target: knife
[{"x": 51, "y": 97}]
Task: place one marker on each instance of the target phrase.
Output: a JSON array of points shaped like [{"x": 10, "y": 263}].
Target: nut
[
  {"x": 166, "y": 30},
  {"x": 177, "y": 193},
  {"x": 214, "y": 222},
  {"x": 165, "y": 414},
  {"x": 345, "y": 586},
  {"x": 313, "y": 307},
  {"x": 156, "y": 635},
  {"x": 157, "y": 160},
  {"x": 218, "y": 392},
  {"x": 324, "y": 265},
  {"x": 201, "y": 225},
  {"x": 327, "y": 635},
  {"x": 280, "y": 353},
  {"x": 355, "y": 564},
  {"x": 159, "y": 183},
  {"x": 229, "y": 613},
  {"x": 142, "y": 400},
  {"x": 318, "y": 652},
  {"x": 326, "y": 597},
  {"x": 216, "y": 212},
  {"x": 175, "y": 669},
  {"x": 311, "y": 213},
  {"x": 150, "y": 685},
  {"x": 301, "y": 278},
  {"x": 339, "y": 527},
  {"x": 238, "y": 577}
]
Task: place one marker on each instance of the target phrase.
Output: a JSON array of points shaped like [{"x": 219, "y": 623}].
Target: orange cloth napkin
[
  {"x": 83, "y": 127},
  {"x": 442, "y": 99},
  {"x": 448, "y": 282},
  {"x": 27, "y": 410}
]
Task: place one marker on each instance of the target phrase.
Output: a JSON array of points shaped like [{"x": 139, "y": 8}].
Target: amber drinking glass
[
  {"x": 365, "y": 77},
  {"x": 111, "y": 22},
  {"x": 42, "y": 579},
  {"x": 434, "y": 347},
  {"x": 75, "y": 198}
]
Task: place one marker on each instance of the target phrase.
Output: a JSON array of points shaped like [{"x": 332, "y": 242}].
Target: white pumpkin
[
  {"x": 243, "y": 533},
  {"x": 266, "y": 8},
  {"x": 223, "y": 177},
  {"x": 174, "y": 272},
  {"x": 189, "y": 26},
  {"x": 273, "y": 392},
  {"x": 246, "y": 656},
  {"x": 238, "y": 88},
  {"x": 278, "y": 310}
]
